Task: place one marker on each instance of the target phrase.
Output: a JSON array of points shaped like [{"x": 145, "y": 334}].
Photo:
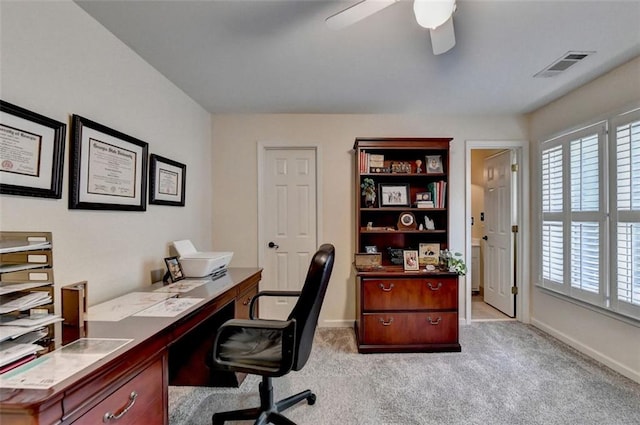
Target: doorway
[
  {"x": 515, "y": 271},
  {"x": 288, "y": 222}
]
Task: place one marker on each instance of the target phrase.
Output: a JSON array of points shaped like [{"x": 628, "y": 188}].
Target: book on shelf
[
  {"x": 425, "y": 204},
  {"x": 438, "y": 193}
]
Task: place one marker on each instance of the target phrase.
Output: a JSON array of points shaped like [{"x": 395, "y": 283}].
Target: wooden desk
[{"x": 142, "y": 366}]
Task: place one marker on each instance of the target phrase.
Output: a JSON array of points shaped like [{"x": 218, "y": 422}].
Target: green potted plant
[
  {"x": 453, "y": 262},
  {"x": 368, "y": 187}
]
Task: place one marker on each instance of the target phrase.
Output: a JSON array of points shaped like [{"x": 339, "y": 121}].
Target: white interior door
[
  {"x": 290, "y": 224},
  {"x": 498, "y": 265}
]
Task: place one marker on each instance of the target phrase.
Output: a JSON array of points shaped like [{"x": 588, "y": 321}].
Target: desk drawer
[
  {"x": 147, "y": 408},
  {"x": 410, "y": 328},
  {"x": 440, "y": 293}
]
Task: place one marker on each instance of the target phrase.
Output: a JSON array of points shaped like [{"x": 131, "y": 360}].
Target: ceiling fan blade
[
  {"x": 443, "y": 38},
  {"x": 357, "y": 12}
]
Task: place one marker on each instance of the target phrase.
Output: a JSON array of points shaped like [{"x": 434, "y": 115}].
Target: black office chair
[{"x": 273, "y": 348}]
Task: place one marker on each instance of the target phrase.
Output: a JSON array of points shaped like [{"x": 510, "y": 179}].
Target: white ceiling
[{"x": 266, "y": 56}]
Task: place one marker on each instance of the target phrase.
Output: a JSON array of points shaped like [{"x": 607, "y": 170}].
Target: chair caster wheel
[{"x": 311, "y": 399}]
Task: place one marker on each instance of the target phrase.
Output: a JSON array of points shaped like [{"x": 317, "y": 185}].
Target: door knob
[
  {"x": 485, "y": 237},
  {"x": 272, "y": 245}
]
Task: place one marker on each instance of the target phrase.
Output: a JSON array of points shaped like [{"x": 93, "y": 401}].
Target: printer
[{"x": 200, "y": 264}]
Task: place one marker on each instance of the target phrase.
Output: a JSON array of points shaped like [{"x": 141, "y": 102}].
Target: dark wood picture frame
[
  {"x": 107, "y": 170},
  {"x": 167, "y": 181},
  {"x": 42, "y": 176},
  {"x": 174, "y": 269}
]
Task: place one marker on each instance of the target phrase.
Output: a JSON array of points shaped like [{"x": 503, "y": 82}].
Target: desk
[{"x": 142, "y": 366}]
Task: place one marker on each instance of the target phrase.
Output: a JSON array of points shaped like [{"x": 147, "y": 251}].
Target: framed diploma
[
  {"x": 31, "y": 153},
  {"x": 166, "y": 181},
  {"x": 108, "y": 169}
]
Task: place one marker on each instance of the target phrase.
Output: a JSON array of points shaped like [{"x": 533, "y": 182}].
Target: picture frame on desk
[
  {"x": 31, "y": 153},
  {"x": 174, "y": 270},
  {"x": 429, "y": 253},
  {"x": 108, "y": 169},
  {"x": 166, "y": 181}
]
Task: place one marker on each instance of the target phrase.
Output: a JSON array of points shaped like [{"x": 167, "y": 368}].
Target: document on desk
[
  {"x": 170, "y": 307},
  {"x": 56, "y": 366},
  {"x": 122, "y": 307},
  {"x": 181, "y": 286}
]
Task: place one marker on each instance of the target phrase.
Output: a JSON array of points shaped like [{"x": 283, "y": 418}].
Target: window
[{"x": 590, "y": 218}]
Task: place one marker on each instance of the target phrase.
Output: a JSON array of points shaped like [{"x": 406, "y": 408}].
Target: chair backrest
[{"x": 307, "y": 308}]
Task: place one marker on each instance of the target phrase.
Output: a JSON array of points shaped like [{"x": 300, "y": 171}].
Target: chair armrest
[
  {"x": 269, "y": 294},
  {"x": 264, "y": 347}
]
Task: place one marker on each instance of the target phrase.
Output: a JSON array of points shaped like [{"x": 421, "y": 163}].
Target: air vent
[{"x": 562, "y": 64}]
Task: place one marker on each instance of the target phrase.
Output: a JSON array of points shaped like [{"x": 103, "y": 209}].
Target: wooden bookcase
[
  {"x": 26, "y": 266},
  {"x": 399, "y": 310}
]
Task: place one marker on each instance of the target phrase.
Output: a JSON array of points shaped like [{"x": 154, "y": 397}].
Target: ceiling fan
[{"x": 436, "y": 15}]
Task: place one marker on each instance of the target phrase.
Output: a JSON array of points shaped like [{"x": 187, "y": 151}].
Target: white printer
[{"x": 200, "y": 264}]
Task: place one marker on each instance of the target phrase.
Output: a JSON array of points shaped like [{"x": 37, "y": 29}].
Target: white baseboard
[
  {"x": 594, "y": 354},
  {"x": 336, "y": 323}
]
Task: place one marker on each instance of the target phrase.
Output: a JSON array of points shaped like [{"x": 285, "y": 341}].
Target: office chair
[{"x": 273, "y": 348}]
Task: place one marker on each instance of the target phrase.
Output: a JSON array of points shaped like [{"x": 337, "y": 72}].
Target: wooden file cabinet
[{"x": 407, "y": 312}]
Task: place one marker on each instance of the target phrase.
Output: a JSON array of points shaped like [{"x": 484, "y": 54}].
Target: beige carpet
[{"x": 508, "y": 373}]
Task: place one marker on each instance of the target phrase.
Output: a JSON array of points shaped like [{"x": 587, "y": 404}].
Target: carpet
[{"x": 507, "y": 373}]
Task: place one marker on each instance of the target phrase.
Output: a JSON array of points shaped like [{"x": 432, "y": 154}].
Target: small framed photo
[
  {"x": 166, "y": 181},
  {"x": 428, "y": 253},
  {"x": 411, "y": 260},
  {"x": 434, "y": 164},
  {"x": 394, "y": 195},
  {"x": 423, "y": 196},
  {"x": 174, "y": 270},
  {"x": 371, "y": 249}
]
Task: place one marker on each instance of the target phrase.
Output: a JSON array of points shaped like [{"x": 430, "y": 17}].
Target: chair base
[{"x": 268, "y": 412}]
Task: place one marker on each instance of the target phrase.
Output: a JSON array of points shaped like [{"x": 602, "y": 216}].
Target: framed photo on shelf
[
  {"x": 428, "y": 253},
  {"x": 411, "y": 260},
  {"x": 174, "y": 269},
  {"x": 108, "y": 169},
  {"x": 166, "y": 181},
  {"x": 394, "y": 195},
  {"x": 31, "y": 153},
  {"x": 434, "y": 164}
]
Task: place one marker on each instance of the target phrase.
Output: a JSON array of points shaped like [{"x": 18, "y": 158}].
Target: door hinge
[
  {"x": 514, "y": 167},
  {"x": 514, "y": 229},
  {"x": 514, "y": 290}
]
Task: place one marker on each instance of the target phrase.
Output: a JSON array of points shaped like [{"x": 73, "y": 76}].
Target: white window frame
[{"x": 607, "y": 217}]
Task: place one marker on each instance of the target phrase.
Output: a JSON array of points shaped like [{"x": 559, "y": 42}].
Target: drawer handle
[
  {"x": 385, "y": 289},
  {"x": 247, "y": 301},
  {"x": 115, "y": 416},
  {"x": 434, "y": 288},
  {"x": 434, "y": 322},
  {"x": 387, "y": 323}
]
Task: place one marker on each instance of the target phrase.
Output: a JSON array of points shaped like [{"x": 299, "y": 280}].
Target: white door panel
[
  {"x": 498, "y": 266},
  {"x": 289, "y": 193}
]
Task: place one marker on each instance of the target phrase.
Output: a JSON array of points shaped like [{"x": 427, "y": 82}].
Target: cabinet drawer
[
  {"x": 147, "y": 408},
  {"x": 410, "y": 294},
  {"x": 410, "y": 328}
]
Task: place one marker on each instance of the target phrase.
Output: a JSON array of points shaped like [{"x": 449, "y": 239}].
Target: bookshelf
[{"x": 401, "y": 204}]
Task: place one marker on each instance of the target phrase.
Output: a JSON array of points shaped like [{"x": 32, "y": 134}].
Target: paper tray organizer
[{"x": 200, "y": 264}]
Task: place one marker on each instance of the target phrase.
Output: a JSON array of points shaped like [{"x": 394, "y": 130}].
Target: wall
[
  {"x": 235, "y": 140},
  {"x": 57, "y": 61},
  {"x": 613, "y": 342}
]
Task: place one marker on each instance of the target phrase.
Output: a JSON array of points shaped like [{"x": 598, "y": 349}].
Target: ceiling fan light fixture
[{"x": 433, "y": 13}]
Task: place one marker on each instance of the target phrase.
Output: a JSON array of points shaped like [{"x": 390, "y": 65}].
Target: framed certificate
[
  {"x": 108, "y": 169},
  {"x": 31, "y": 153},
  {"x": 166, "y": 181}
]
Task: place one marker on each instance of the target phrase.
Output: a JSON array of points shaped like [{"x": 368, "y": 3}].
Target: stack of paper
[
  {"x": 25, "y": 302},
  {"x": 10, "y": 351},
  {"x": 14, "y": 328}
]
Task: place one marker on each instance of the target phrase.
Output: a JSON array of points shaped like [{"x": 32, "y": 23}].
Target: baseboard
[
  {"x": 336, "y": 324},
  {"x": 594, "y": 354}
]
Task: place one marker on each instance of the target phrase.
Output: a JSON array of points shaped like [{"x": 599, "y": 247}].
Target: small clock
[{"x": 406, "y": 221}]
